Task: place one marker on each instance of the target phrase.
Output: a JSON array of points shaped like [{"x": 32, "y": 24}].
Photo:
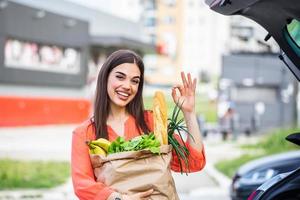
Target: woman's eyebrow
[
  {"x": 136, "y": 77},
  {"x": 118, "y": 72}
]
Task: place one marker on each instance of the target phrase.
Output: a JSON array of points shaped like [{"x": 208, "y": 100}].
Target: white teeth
[{"x": 123, "y": 94}]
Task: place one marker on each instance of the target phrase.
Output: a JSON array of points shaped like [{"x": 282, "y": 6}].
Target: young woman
[{"x": 119, "y": 111}]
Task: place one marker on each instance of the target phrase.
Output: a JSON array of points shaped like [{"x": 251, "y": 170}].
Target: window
[
  {"x": 294, "y": 31},
  {"x": 242, "y": 32},
  {"x": 152, "y": 38},
  {"x": 150, "y": 22},
  {"x": 150, "y": 5},
  {"x": 41, "y": 57}
]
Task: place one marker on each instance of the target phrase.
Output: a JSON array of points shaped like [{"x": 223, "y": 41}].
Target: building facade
[
  {"x": 260, "y": 89},
  {"x": 50, "y": 54},
  {"x": 187, "y": 36}
]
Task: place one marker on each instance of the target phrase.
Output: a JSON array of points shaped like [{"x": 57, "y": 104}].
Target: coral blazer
[{"x": 85, "y": 186}]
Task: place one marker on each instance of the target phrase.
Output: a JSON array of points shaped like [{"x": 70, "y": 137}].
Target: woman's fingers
[
  {"x": 187, "y": 89},
  {"x": 183, "y": 78},
  {"x": 182, "y": 92},
  {"x": 146, "y": 193},
  {"x": 189, "y": 79},
  {"x": 182, "y": 89},
  {"x": 174, "y": 95}
]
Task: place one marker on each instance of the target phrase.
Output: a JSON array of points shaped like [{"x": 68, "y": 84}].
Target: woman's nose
[{"x": 126, "y": 84}]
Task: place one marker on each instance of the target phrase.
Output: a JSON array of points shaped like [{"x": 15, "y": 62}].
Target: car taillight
[{"x": 254, "y": 194}]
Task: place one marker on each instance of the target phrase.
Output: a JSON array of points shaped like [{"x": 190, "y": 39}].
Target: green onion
[{"x": 177, "y": 125}]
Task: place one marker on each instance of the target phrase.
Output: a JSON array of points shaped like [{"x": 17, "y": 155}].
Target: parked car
[
  {"x": 251, "y": 175},
  {"x": 282, "y": 187},
  {"x": 285, "y": 186},
  {"x": 281, "y": 18}
]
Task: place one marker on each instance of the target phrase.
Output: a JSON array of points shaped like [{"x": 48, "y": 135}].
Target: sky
[{"x": 116, "y": 7}]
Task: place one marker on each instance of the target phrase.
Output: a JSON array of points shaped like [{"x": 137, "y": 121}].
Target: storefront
[{"x": 46, "y": 53}]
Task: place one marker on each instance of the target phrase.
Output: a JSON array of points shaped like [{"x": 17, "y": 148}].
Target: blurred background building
[
  {"x": 51, "y": 52},
  {"x": 260, "y": 89},
  {"x": 247, "y": 36},
  {"x": 182, "y": 33},
  {"x": 185, "y": 39},
  {"x": 50, "y": 55},
  {"x": 254, "y": 82}
]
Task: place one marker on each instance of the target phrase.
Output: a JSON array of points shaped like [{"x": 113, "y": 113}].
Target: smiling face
[{"x": 123, "y": 83}]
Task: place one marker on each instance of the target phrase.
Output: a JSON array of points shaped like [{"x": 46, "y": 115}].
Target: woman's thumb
[
  {"x": 146, "y": 193},
  {"x": 174, "y": 95}
]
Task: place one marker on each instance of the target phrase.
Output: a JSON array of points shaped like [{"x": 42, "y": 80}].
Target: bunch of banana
[
  {"x": 99, "y": 146},
  {"x": 160, "y": 117}
]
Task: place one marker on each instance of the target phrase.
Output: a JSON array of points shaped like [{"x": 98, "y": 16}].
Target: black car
[
  {"x": 282, "y": 187},
  {"x": 285, "y": 186},
  {"x": 281, "y": 18},
  {"x": 251, "y": 175}
]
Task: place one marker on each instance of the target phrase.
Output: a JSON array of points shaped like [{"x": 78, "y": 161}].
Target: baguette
[{"x": 160, "y": 118}]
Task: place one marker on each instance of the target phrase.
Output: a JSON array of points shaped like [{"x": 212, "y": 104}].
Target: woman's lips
[{"x": 123, "y": 95}]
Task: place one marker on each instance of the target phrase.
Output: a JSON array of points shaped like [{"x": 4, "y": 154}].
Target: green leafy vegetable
[
  {"x": 176, "y": 126},
  {"x": 147, "y": 142}
]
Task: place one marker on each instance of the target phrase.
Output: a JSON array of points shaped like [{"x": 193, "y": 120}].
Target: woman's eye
[
  {"x": 135, "y": 81},
  {"x": 119, "y": 77}
]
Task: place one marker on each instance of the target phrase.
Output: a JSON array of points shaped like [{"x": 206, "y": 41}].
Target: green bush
[
  {"x": 32, "y": 174},
  {"x": 272, "y": 143},
  {"x": 229, "y": 167}
]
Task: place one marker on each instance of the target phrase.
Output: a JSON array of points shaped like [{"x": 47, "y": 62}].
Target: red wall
[{"x": 21, "y": 111}]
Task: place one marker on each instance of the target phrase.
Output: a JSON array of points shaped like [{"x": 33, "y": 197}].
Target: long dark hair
[{"x": 101, "y": 107}]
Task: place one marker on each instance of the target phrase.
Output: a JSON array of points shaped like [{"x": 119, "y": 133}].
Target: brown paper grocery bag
[{"x": 137, "y": 171}]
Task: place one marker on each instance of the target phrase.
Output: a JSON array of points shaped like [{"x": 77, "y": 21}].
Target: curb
[
  {"x": 222, "y": 180},
  {"x": 35, "y": 195},
  {"x": 220, "y": 191}
]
